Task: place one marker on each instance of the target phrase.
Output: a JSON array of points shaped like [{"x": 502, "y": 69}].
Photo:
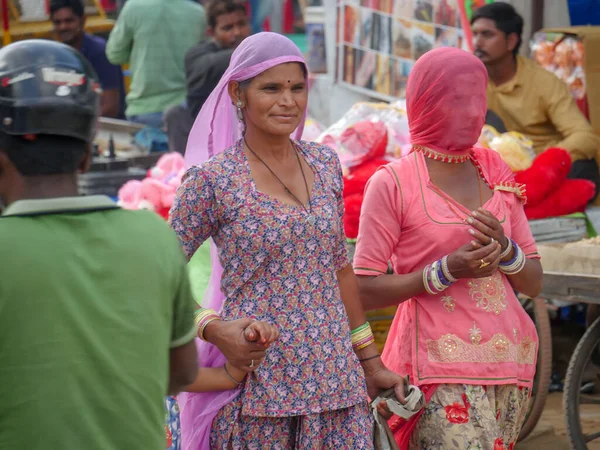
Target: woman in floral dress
[
  {"x": 273, "y": 208},
  {"x": 450, "y": 219}
]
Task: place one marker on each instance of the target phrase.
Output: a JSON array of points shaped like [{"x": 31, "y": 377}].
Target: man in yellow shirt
[{"x": 528, "y": 98}]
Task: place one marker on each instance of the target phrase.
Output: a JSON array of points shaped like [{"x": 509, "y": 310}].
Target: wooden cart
[{"x": 577, "y": 405}]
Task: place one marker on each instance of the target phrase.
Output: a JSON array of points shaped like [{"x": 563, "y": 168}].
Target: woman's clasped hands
[{"x": 480, "y": 257}]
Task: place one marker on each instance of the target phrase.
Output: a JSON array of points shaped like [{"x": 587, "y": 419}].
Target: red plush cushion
[
  {"x": 352, "y": 204},
  {"x": 571, "y": 196},
  {"x": 355, "y": 182},
  {"x": 547, "y": 173}
]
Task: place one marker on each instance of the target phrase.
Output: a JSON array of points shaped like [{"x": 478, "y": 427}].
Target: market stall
[
  {"x": 572, "y": 273},
  {"x": 119, "y": 156}
]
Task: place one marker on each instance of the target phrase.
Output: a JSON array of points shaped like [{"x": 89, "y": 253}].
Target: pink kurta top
[{"x": 476, "y": 331}]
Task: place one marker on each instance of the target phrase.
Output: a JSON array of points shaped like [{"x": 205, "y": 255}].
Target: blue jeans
[{"x": 153, "y": 120}]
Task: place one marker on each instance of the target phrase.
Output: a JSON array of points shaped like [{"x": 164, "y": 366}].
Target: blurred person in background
[
  {"x": 68, "y": 19},
  {"x": 205, "y": 64},
  {"x": 527, "y": 98},
  {"x": 260, "y": 10},
  {"x": 153, "y": 36}
]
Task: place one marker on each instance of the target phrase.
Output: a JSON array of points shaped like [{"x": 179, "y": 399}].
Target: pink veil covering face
[
  {"x": 446, "y": 100},
  {"x": 215, "y": 129}
]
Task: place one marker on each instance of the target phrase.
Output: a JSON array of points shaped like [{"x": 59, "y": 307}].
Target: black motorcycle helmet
[{"x": 47, "y": 88}]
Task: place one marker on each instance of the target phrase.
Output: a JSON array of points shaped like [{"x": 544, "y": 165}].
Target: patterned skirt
[
  {"x": 465, "y": 417},
  {"x": 172, "y": 424},
  {"x": 343, "y": 429}
]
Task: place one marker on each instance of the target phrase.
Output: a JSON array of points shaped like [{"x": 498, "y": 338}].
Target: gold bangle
[
  {"x": 362, "y": 334},
  {"x": 202, "y": 314},
  {"x": 202, "y": 327}
]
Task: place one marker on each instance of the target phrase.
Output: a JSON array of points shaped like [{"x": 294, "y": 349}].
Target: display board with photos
[{"x": 379, "y": 41}]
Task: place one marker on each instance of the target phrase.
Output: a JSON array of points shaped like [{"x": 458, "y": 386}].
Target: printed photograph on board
[
  {"x": 385, "y": 34},
  {"x": 351, "y": 25},
  {"x": 423, "y": 10},
  {"x": 366, "y": 27},
  {"x": 386, "y": 6},
  {"x": 349, "y": 69},
  {"x": 403, "y": 9},
  {"x": 364, "y": 65},
  {"x": 376, "y": 33},
  {"x": 400, "y": 70},
  {"x": 383, "y": 75},
  {"x": 402, "y": 38},
  {"x": 446, "y": 37},
  {"x": 422, "y": 39},
  {"x": 446, "y": 13}
]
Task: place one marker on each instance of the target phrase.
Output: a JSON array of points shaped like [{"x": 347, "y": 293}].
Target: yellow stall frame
[{"x": 18, "y": 26}]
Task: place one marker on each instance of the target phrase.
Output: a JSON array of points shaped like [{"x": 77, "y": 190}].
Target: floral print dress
[
  {"x": 471, "y": 417},
  {"x": 280, "y": 266}
]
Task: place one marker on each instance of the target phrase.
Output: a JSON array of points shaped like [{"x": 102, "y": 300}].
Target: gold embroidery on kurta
[
  {"x": 448, "y": 303},
  {"x": 475, "y": 334},
  {"x": 499, "y": 349},
  {"x": 489, "y": 293}
]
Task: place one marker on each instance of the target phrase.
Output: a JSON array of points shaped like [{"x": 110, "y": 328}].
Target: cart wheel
[
  {"x": 543, "y": 368},
  {"x": 573, "y": 399}
]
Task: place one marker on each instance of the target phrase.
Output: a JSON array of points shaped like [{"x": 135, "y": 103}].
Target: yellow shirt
[{"x": 539, "y": 105}]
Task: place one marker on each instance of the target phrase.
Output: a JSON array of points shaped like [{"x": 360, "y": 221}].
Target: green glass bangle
[{"x": 359, "y": 329}]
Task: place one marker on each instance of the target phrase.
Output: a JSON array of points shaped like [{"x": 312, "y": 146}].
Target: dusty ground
[{"x": 550, "y": 433}]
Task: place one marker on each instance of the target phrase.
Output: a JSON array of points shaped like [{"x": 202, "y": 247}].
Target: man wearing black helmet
[{"x": 96, "y": 313}]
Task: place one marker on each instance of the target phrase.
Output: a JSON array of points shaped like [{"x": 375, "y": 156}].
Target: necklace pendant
[{"x": 311, "y": 219}]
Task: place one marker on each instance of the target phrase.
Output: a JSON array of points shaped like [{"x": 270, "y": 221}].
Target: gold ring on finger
[{"x": 483, "y": 264}]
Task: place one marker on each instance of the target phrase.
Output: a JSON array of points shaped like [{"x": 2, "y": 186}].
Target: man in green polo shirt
[
  {"x": 96, "y": 313},
  {"x": 153, "y": 36}
]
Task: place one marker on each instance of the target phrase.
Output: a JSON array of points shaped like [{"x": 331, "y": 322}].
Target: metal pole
[{"x": 537, "y": 15}]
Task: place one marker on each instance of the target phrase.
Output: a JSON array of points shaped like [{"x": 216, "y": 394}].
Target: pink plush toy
[{"x": 156, "y": 192}]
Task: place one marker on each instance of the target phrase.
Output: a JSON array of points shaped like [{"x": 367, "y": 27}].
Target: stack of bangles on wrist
[
  {"x": 203, "y": 317},
  {"x": 437, "y": 277},
  {"x": 517, "y": 263},
  {"x": 362, "y": 337}
]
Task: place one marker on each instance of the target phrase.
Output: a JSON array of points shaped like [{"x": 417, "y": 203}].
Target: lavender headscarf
[{"x": 216, "y": 128}]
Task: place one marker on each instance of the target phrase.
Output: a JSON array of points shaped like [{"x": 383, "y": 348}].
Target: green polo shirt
[
  {"x": 153, "y": 36},
  {"x": 92, "y": 298}
]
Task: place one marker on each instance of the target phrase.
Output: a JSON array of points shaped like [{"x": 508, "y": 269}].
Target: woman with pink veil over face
[
  {"x": 450, "y": 218},
  {"x": 272, "y": 206}
]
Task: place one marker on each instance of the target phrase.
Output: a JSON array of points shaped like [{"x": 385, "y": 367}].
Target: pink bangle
[{"x": 364, "y": 343}]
